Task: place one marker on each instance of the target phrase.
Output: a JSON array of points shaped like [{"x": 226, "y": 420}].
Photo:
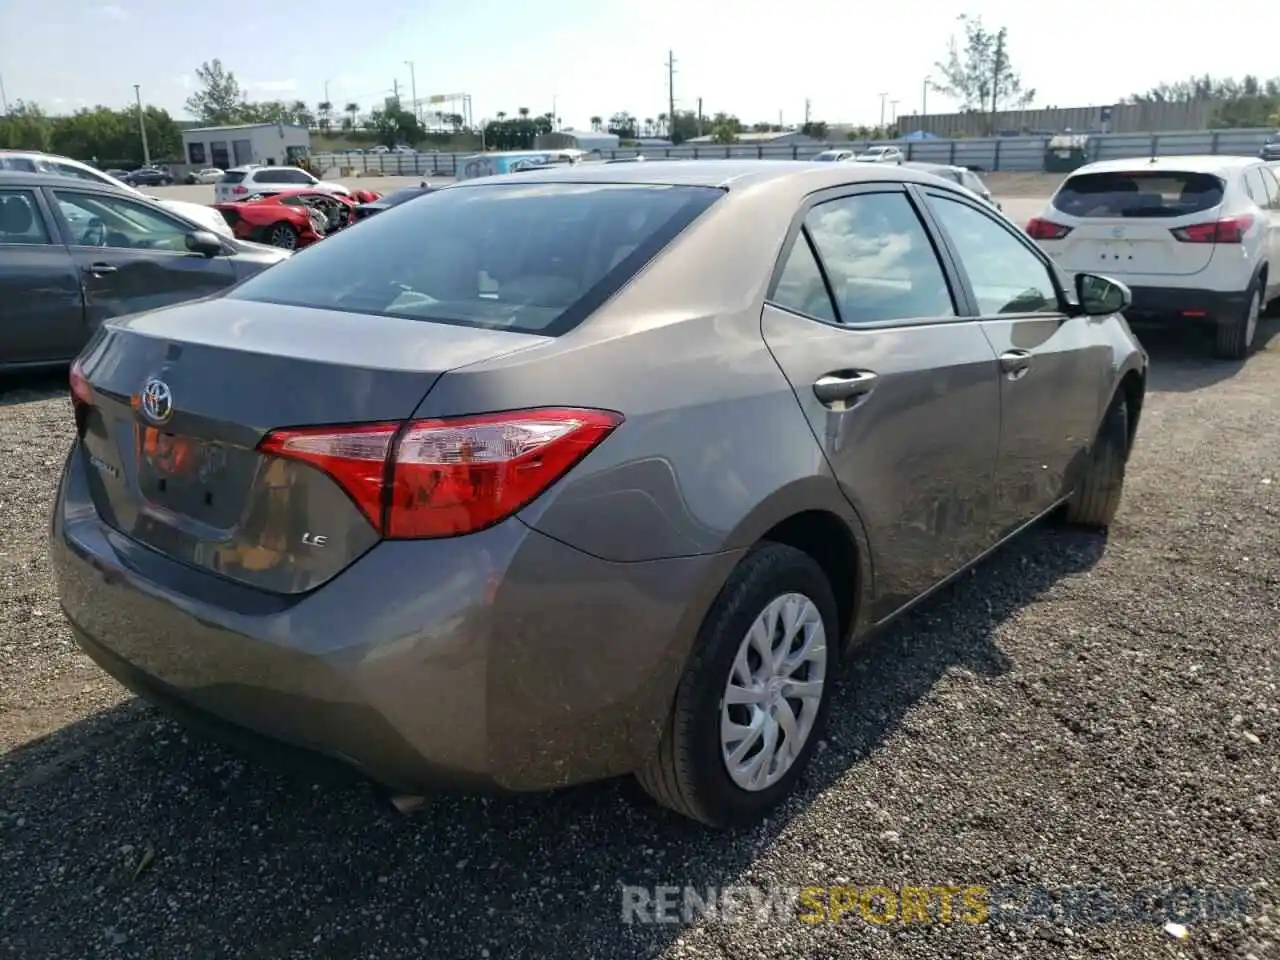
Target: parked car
[
  {"x": 29, "y": 161},
  {"x": 207, "y": 175},
  {"x": 240, "y": 182},
  {"x": 288, "y": 220},
  {"x": 961, "y": 175},
  {"x": 836, "y": 156},
  {"x": 584, "y": 501},
  {"x": 881, "y": 155},
  {"x": 74, "y": 254},
  {"x": 148, "y": 177},
  {"x": 365, "y": 210},
  {"x": 114, "y": 174},
  {"x": 1196, "y": 238},
  {"x": 1270, "y": 149}
]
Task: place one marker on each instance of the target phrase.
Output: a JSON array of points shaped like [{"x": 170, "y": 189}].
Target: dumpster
[{"x": 1066, "y": 152}]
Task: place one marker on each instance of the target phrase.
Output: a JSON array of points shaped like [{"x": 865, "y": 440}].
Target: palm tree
[
  {"x": 353, "y": 109},
  {"x": 662, "y": 124},
  {"x": 648, "y": 127},
  {"x": 597, "y": 123},
  {"x": 524, "y": 113},
  {"x": 325, "y": 109},
  {"x": 502, "y": 115}
]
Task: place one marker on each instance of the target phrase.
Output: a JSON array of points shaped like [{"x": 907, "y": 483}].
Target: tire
[
  {"x": 282, "y": 235},
  {"x": 1096, "y": 500},
  {"x": 1233, "y": 339},
  {"x": 690, "y": 772}
]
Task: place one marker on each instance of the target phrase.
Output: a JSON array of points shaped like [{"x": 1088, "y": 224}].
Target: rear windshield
[
  {"x": 1152, "y": 193},
  {"x": 233, "y": 176},
  {"x": 533, "y": 258}
]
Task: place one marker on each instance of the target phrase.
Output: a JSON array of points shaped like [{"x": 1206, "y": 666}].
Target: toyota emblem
[{"x": 157, "y": 400}]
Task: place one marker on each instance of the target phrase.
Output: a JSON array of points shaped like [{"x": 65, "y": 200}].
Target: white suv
[
  {"x": 1196, "y": 239},
  {"x": 33, "y": 161},
  {"x": 881, "y": 155},
  {"x": 240, "y": 182}
]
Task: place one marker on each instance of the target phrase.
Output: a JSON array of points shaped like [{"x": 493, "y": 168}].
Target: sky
[{"x": 758, "y": 59}]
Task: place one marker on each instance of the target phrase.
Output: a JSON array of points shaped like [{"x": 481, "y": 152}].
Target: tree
[
  {"x": 597, "y": 124},
  {"x": 109, "y": 137},
  {"x": 1247, "y": 102},
  {"x": 815, "y": 128},
  {"x": 623, "y": 125},
  {"x": 979, "y": 73},
  {"x": 724, "y": 133},
  {"x": 25, "y": 127},
  {"x": 324, "y": 115},
  {"x": 395, "y": 126},
  {"x": 221, "y": 101}
]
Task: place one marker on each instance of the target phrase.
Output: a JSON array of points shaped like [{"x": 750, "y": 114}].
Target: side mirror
[
  {"x": 1100, "y": 296},
  {"x": 204, "y": 243}
]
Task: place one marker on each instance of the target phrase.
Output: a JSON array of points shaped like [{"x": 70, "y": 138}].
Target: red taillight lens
[
  {"x": 239, "y": 190},
  {"x": 81, "y": 393},
  {"x": 1040, "y": 229},
  {"x": 442, "y": 478},
  {"x": 1226, "y": 230}
]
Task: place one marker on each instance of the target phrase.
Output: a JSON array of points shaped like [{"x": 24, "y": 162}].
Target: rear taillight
[
  {"x": 1226, "y": 230},
  {"x": 442, "y": 478},
  {"x": 1039, "y": 229},
  {"x": 81, "y": 394},
  {"x": 240, "y": 190}
]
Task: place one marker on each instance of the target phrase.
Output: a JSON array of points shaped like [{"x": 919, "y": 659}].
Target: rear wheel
[
  {"x": 1097, "y": 498},
  {"x": 282, "y": 235},
  {"x": 750, "y": 707},
  {"x": 1233, "y": 338}
]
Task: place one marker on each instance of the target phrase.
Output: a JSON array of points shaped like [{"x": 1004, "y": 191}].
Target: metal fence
[{"x": 990, "y": 153}]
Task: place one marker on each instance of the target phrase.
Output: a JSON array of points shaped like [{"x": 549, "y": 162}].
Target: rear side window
[
  {"x": 233, "y": 176},
  {"x": 1162, "y": 193},
  {"x": 23, "y": 164},
  {"x": 20, "y": 220},
  {"x": 533, "y": 258}
]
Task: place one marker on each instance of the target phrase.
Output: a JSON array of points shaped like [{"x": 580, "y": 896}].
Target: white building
[
  {"x": 587, "y": 140},
  {"x": 269, "y": 144}
]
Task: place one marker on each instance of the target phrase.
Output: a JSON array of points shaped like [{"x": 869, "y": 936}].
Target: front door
[
  {"x": 900, "y": 389},
  {"x": 1053, "y": 369},
  {"x": 134, "y": 256},
  {"x": 41, "y": 306}
]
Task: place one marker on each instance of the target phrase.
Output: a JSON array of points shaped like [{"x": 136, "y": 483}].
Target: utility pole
[
  {"x": 883, "y": 98},
  {"x": 413, "y": 90},
  {"x": 326, "y": 91},
  {"x": 395, "y": 90},
  {"x": 806, "y": 112},
  {"x": 142, "y": 126},
  {"x": 4, "y": 101},
  {"x": 893, "y": 112},
  {"x": 924, "y": 96},
  {"x": 671, "y": 94},
  {"x": 699, "y": 116}
]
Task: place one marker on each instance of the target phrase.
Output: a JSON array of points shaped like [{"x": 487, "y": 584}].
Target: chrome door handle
[
  {"x": 843, "y": 385},
  {"x": 100, "y": 269},
  {"x": 1015, "y": 363}
]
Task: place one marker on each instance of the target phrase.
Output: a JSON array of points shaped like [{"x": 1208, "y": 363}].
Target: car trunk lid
[
  {"x": 182, "y": 397},
  {"x": 1122, "y": 222}
]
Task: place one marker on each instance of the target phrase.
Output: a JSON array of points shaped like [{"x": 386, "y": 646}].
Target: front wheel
[
  {"x": 1097, "y": 498},
  {"x": 750, "y": 707},
  {"x": 283, "y": 235}
]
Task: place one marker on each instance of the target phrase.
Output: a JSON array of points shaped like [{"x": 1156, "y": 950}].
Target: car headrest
[{"x": 17, "y": 215}]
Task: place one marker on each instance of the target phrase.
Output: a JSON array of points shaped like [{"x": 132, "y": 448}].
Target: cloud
[
  {"x": 113, "y": 11},
  {"x": 273, "y": 86}
]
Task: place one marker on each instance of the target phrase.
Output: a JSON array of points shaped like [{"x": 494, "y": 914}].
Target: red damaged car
[{"x": 290, "y": 220}]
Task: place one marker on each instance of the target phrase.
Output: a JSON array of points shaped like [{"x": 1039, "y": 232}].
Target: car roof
[
  {"x": 804, "y": 175},
  {"x": 925, "y": 165},
  {"x": 20, "y": 178},
  {"x": 1206, "y": 163}
]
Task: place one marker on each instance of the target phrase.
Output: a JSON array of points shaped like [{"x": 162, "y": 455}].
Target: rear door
[
  {"x": 1053, "y": 368},
  {"x": 133, "y": 256},
  {"x": 224, "y": 189},
  {"x": 41, "y": 307},
  {"x": 1122, "y": 222},
  {"x": 899, "y": 388},
  {"x": 1270, "y": 204}
]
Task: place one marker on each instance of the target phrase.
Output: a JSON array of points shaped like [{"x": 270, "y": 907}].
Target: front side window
[
  {"x": 103, "y": 221},
  {"x": 878, "y": 259},
  {"x": 531, "y": 258},
  {"x": 20, "y": 220},
  {"x": 1005, "y": 275}
]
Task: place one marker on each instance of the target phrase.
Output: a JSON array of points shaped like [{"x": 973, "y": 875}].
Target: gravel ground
[{"x": 1077, "y": 712}]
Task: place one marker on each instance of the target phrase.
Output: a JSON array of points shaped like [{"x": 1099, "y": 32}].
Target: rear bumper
[
  {"x": 503, "y": 659},
  {"x": 1175, "y": 306}
]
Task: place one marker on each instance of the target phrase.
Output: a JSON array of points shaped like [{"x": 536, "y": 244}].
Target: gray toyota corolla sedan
[{"x": 586, "y": 472}]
